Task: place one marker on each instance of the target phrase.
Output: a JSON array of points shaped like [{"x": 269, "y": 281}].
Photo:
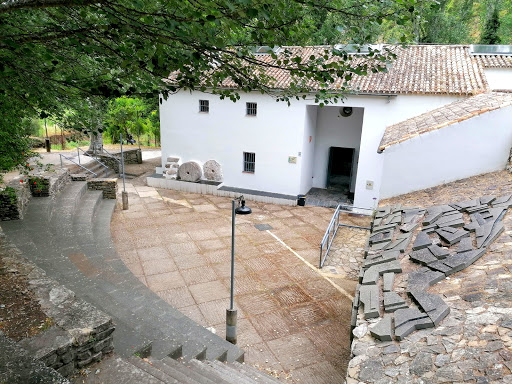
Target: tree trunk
[{"x": 96, "y": 145}]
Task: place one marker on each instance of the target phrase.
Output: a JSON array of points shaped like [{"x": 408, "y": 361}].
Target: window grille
[
  {"x": 252, "y": 109},
  {"x": 249, "y": 162},
  {"x": 204, "y": 106}
]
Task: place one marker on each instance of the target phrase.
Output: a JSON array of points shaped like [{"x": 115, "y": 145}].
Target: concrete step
[
  {"x": 231, "y": 374},
  {"x": 74, "y": 248},
  {"x": 255, "y": 373},
  {"x": 115, "y": 370},
  {"x": 146, "y": 366},
  {"x": 207, "y": 371},
  {"x": 179, "y": 371}
]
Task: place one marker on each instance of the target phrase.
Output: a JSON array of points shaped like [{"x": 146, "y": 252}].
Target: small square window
[
  {"x": 252, "y": 109},
  {"x": 249, "y": 162},
  {"x": 204, "y": 106}
]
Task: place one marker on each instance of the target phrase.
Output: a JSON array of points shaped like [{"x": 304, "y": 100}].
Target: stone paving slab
[{"x": 181, "y": 250}]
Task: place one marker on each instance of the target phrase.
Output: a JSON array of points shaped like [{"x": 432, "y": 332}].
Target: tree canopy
[{"x": 54, "y": 54}]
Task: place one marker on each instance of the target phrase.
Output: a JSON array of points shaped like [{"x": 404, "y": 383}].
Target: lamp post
[{"x": 231, "y": 313}]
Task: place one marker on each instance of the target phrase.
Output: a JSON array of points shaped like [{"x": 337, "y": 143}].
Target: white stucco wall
[
  {"x": 499, "y": 78},
  {"x": 308, "y": 148},
  {"x": 226, "y": 132},
  {"x": 334, "y": 130},
  {"x": 471, "y": 147},
  {"x": 277, "y": 132}
]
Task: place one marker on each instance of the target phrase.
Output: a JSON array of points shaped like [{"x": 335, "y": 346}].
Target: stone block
[
  {"x": 392, "y": 298},
  {"x": 432, "y": 216},
  {"x": 440, "y": 266},
  {"x": 190, "y": 171},
  {"x": 173, "y": 159},
  {"x": 454, "y": 224},
  {"x": 497, "y": 229},
  {"x": 67, "y": 369},
  {"x": 422, "y": 241},
  {"x": 406, "y": 329},
  {"x": 410, "y": 213},
  {"x": 447, "y": 217},
  {"x": 393, "y": 308},
  {"x": 394, "y": 218},
  {"x": 403, "y": 316},
  {"x": 84, "y": 355},
  {"x": 369, "y": 296},
  {"x": 423, "y": 256},
  {"x": 381, "y": 228},
  {"x": 423, "y": 278},
  {"x": 400, "y": 244},
  {"x": 379, "y": 246},
  {"x": 464, "y": 205},
  {"x": 452, "y": 238},
  {"x": 433, "y": 305},
  {"x": 412, "y": 225},
  {"x": 502, "y": 199},
  {"x": 465, "y": 245},
  {"x": 476, "y": 209},
  {"x": 381, "y": 237},
  {"x": 381, "y": 258},
  {"x": 389, "y": 279},
  {"x": 212, "y": 171},
  {"x": 439, "y": 252},
  {"x": 383, "y": 330},
  {"x": 382, "y": 212},
  {"x": 371, "y": 275},
  {"x": 487, "y": 199}
]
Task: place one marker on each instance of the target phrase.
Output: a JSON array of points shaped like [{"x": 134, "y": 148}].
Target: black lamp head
[{"x": 243, "y": 210}]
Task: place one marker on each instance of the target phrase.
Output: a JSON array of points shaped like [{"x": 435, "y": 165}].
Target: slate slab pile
[{"x": 447, "y": 239}]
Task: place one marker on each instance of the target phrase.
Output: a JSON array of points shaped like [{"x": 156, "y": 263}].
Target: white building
[{"x": 431, "y": 119}]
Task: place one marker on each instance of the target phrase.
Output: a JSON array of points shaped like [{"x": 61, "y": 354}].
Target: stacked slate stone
[
  {"x": 171, "y": 168},
  {"x": 391, "y": 234},
  {"x": 445, "y": 245}
]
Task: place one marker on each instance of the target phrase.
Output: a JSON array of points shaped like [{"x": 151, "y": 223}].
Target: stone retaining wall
[
  {"x": 79, "y": 335},
  {"x": 509, "y": 162},
  {"x": 108, "y": 186},
  {"x": 48, "y": 184},
  {"x": 13, "y": 200},
  {"x": 110, "y": 162}
]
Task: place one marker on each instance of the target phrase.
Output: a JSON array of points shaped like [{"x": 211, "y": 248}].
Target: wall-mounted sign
[{"x": 292, "y": 159}]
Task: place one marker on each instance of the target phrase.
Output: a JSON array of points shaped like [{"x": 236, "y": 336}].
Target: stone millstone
[
  {"x": 190, "y": 171},
  {"x": 212, "y": 171}
]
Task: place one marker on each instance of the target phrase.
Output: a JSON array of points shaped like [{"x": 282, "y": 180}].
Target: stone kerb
[
  {"x": 80, "y": 335},
  {"x": 107, "y": 185}
]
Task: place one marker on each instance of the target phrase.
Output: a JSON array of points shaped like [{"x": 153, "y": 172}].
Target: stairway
[
  {"x": 135, "y": 370},
  {"x": 99, "y": 169},
  {"x": 69, "y": 238}
]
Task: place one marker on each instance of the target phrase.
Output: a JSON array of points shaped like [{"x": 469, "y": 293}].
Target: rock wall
[
  {"x": 509, "y": 162},
  {"x": 108, "y": 186},
  {"x": 13, "y": 200},
  {"x": 79, "y": 333},
  {"x": 48, "y": 184}
]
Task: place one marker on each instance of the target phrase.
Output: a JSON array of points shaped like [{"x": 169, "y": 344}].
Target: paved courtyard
[{"x": 294, "y": 320}]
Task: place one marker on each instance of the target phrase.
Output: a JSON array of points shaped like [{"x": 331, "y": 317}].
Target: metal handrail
[
  {"x": 92, "y": 157},
  {"x": 332, "y": 229},
  {"x": 74, "y": 162}
]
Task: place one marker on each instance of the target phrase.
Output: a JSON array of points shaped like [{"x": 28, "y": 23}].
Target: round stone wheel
[
  {"x": 212, "y": 171},
  {"x": 190, "y": 171}
]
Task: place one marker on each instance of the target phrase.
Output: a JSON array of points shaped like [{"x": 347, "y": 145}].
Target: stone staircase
[
  {"x": 153, "y": 371},
  {"x": 69, "y": 238}
]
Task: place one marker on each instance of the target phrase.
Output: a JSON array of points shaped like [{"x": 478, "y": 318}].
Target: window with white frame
[
  {"x": 204, "y": 106},
  {"x": 249, "y": 162},
  {"x": 251, "y": 109}
]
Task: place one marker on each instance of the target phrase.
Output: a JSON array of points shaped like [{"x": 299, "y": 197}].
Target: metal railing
[
  {"x": 332, "y": 229},
  {"x": 74, "y": 162},
  {"x": 92, "y": 157}
]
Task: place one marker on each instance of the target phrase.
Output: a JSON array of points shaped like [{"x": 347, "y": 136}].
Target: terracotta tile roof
[
  {"x": 418, "y": 69},
  {"x": 494, "y": 61},
  {"x": 441, "y": 117}
]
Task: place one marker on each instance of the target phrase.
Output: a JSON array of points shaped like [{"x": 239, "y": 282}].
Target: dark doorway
[{"x": 339, "y": 171}]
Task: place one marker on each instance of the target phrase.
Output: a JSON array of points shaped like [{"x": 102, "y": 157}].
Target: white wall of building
[
  {"x": 334, "y": 130},
  {"x": 226, "y": 132},
  {"x": 471, "y": 147},
  {"x": 499, "y": 78},
  {"x": 277, "y": 132},
  {"x": 308, "y": 148}
]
